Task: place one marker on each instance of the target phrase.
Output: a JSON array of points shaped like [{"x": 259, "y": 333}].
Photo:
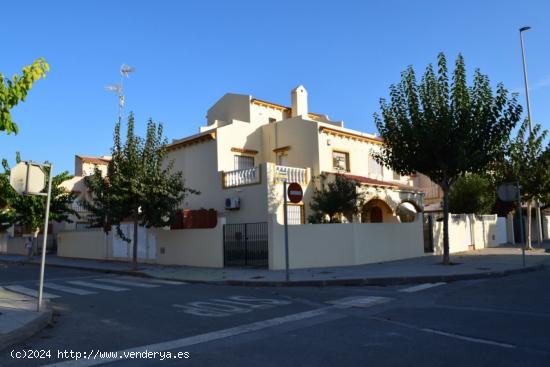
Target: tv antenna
[{"x": 125, "y": 70}]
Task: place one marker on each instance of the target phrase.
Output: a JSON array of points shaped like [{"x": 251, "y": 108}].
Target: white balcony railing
[
  {"x": 241, "y": 177},
  {"x": 292, "y": 174}
]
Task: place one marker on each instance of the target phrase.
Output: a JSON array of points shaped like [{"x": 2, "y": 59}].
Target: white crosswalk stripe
[
  {"x": 99, "y": 286},
  {"x": 29, "y": 291},
  {"x": 421, "y": 287},
  {"x": 155, "y": 281},
  {"x": 127, "y": 283},
  {"x": 64, "y": 288}
]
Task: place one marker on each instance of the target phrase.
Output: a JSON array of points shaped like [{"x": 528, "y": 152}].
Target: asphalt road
[{"x": 491, "y": 322}]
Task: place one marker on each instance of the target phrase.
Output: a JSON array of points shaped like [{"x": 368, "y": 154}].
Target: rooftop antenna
[{"x": 125, "y": 70}]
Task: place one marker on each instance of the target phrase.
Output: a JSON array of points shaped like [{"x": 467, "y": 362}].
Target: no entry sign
[{"x": 295, "y": 193}]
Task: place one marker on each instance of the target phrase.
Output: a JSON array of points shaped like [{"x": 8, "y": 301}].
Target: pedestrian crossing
[{"x": 89, "y": 286}]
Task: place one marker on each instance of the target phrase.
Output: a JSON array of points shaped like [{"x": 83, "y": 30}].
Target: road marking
[
  {"x": 216, "y": 307},
  {"x": 358, "y": 301},
  {"x": 421, "y": 287},
  {"x": 468, "y": 338},
  {"x": 98, "y": 286},
  {"x": 443, "y": 333},
  {"x": 63, "y": 288},
  {"x": 126, "y": 282},
  {"x": 29, "y": 292},
  {"x": 156, "y": 281},
  {"x": 201, "y": 338}
]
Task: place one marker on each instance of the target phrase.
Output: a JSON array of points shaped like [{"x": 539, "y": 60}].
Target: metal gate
[
  {"x": 428, "y": 233},
  {"x": 245, "y": 244}
]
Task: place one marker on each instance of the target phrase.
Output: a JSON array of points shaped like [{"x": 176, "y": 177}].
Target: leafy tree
[
  {"x": 527, "y": 161},
  {"x": 15, "y": 90},
  {"x": 139, "y": 184},
  {"x": 444, "y": 129},
  {"x": 335, "y": 199},
  {"x": 472, "y": 193},
  {"x": 29, "y": 211}
]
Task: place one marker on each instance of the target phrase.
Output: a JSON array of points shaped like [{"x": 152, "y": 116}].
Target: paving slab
[{"x": 19, "y": 319}]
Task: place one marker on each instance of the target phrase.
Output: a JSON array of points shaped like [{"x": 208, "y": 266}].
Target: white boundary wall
[
  {"x": 320, "y": 245},
  {"x": 466, "y": 231},
  {"x": 192, "y": 247}
]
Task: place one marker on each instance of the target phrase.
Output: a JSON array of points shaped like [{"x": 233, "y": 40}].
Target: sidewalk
[
  {"x": 19, "y": 319},
  {"x": 489, "y": 262}
]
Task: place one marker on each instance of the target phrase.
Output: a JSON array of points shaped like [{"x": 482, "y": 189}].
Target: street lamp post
[{"x": 537, "y": 204}]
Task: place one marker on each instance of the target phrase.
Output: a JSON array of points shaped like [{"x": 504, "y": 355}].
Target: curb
[
  {"x": 387, "y": 281},
  {"x": 26, "y": 331}
]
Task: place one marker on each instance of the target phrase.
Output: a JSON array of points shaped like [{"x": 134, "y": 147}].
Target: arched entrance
[{"x": 376, "y": 211}]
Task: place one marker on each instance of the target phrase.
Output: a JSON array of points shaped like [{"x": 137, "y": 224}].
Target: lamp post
[{"x": 537, "y": 204}]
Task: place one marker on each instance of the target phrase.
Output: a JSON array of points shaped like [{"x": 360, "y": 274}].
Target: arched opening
[{"x": 377, "y": 211}]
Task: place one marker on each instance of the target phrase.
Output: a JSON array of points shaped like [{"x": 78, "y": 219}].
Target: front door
[{"x": 375, "y": 215}]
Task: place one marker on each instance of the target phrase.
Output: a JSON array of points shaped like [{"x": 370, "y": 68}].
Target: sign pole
[
  {"x": 285, "y": 216},
  {"x": 45, "y": 237},
  {"x": 521, "y": 235}
]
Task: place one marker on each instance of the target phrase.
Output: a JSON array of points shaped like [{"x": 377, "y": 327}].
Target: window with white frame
[{"x": 243, "y": 162}]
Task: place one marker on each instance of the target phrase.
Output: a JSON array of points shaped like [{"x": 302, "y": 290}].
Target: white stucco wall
[
  {"x": 466, "y": 230},
  {"x": 321, "y": 245},
  {"x": 192, "y": 247}
]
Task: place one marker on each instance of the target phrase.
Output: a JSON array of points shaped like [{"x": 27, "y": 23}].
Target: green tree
[
  {"x": 15, "y": 90},
  {"x": 444, "y": 130},
  {"x": 336, "y": 199},
  {"x": 527, "y": 161},
  {"x": 29, "y": 211},
  {"x": 140, "y": 184},
  {"x": 472, "y": 193}
]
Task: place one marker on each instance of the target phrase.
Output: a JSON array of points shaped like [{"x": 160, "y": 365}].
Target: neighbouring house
[
  {"x": 248, "y": 146},
  {"x": 83, "y": 166}
]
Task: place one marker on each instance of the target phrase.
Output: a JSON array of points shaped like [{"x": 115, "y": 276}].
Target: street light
[
  {"x": 537, "y": 204},
  {"x": 521, "y": 30}
]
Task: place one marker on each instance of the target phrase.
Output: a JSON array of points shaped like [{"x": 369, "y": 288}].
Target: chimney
[{"x": 299, "y": 101}]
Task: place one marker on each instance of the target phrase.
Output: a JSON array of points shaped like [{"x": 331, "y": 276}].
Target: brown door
[{"x": 376, "y": 215}]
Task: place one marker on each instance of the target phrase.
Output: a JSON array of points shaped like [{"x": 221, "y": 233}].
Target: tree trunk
[
  {"x": 135, "y": 242},
  {"x": 445, "y": 225},
  {"x": 528, "y": 231},
  {"x": 539, "y": 223}
]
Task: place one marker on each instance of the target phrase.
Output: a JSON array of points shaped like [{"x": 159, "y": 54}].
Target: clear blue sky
[{"x": 187, "y": 55}]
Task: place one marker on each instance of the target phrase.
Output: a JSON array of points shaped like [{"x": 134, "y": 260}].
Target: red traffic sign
[{"x": 295, "y": 193}]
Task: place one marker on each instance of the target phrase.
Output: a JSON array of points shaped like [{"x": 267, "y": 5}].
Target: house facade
[{"x": 239, "y": 160}]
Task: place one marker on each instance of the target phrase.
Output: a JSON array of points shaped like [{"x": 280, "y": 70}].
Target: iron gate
[{"x": 245, "y": 244}]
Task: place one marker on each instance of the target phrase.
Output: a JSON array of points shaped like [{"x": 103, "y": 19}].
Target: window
[
  {"x": 295, "y": 214},
  {"x": 340, "y": 161},
  {"x": 244, "y": 162},
  {"x": 375, "y": 167}
]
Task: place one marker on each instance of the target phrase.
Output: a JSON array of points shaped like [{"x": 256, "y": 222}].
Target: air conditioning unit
[{"x": 233, "y": 203}]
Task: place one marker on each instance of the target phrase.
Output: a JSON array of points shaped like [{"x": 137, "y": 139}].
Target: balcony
[
  {"x": 292, "y": 174},
  {"x": 241, "y": 177},
  {"x": 432, "y": 192}
]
